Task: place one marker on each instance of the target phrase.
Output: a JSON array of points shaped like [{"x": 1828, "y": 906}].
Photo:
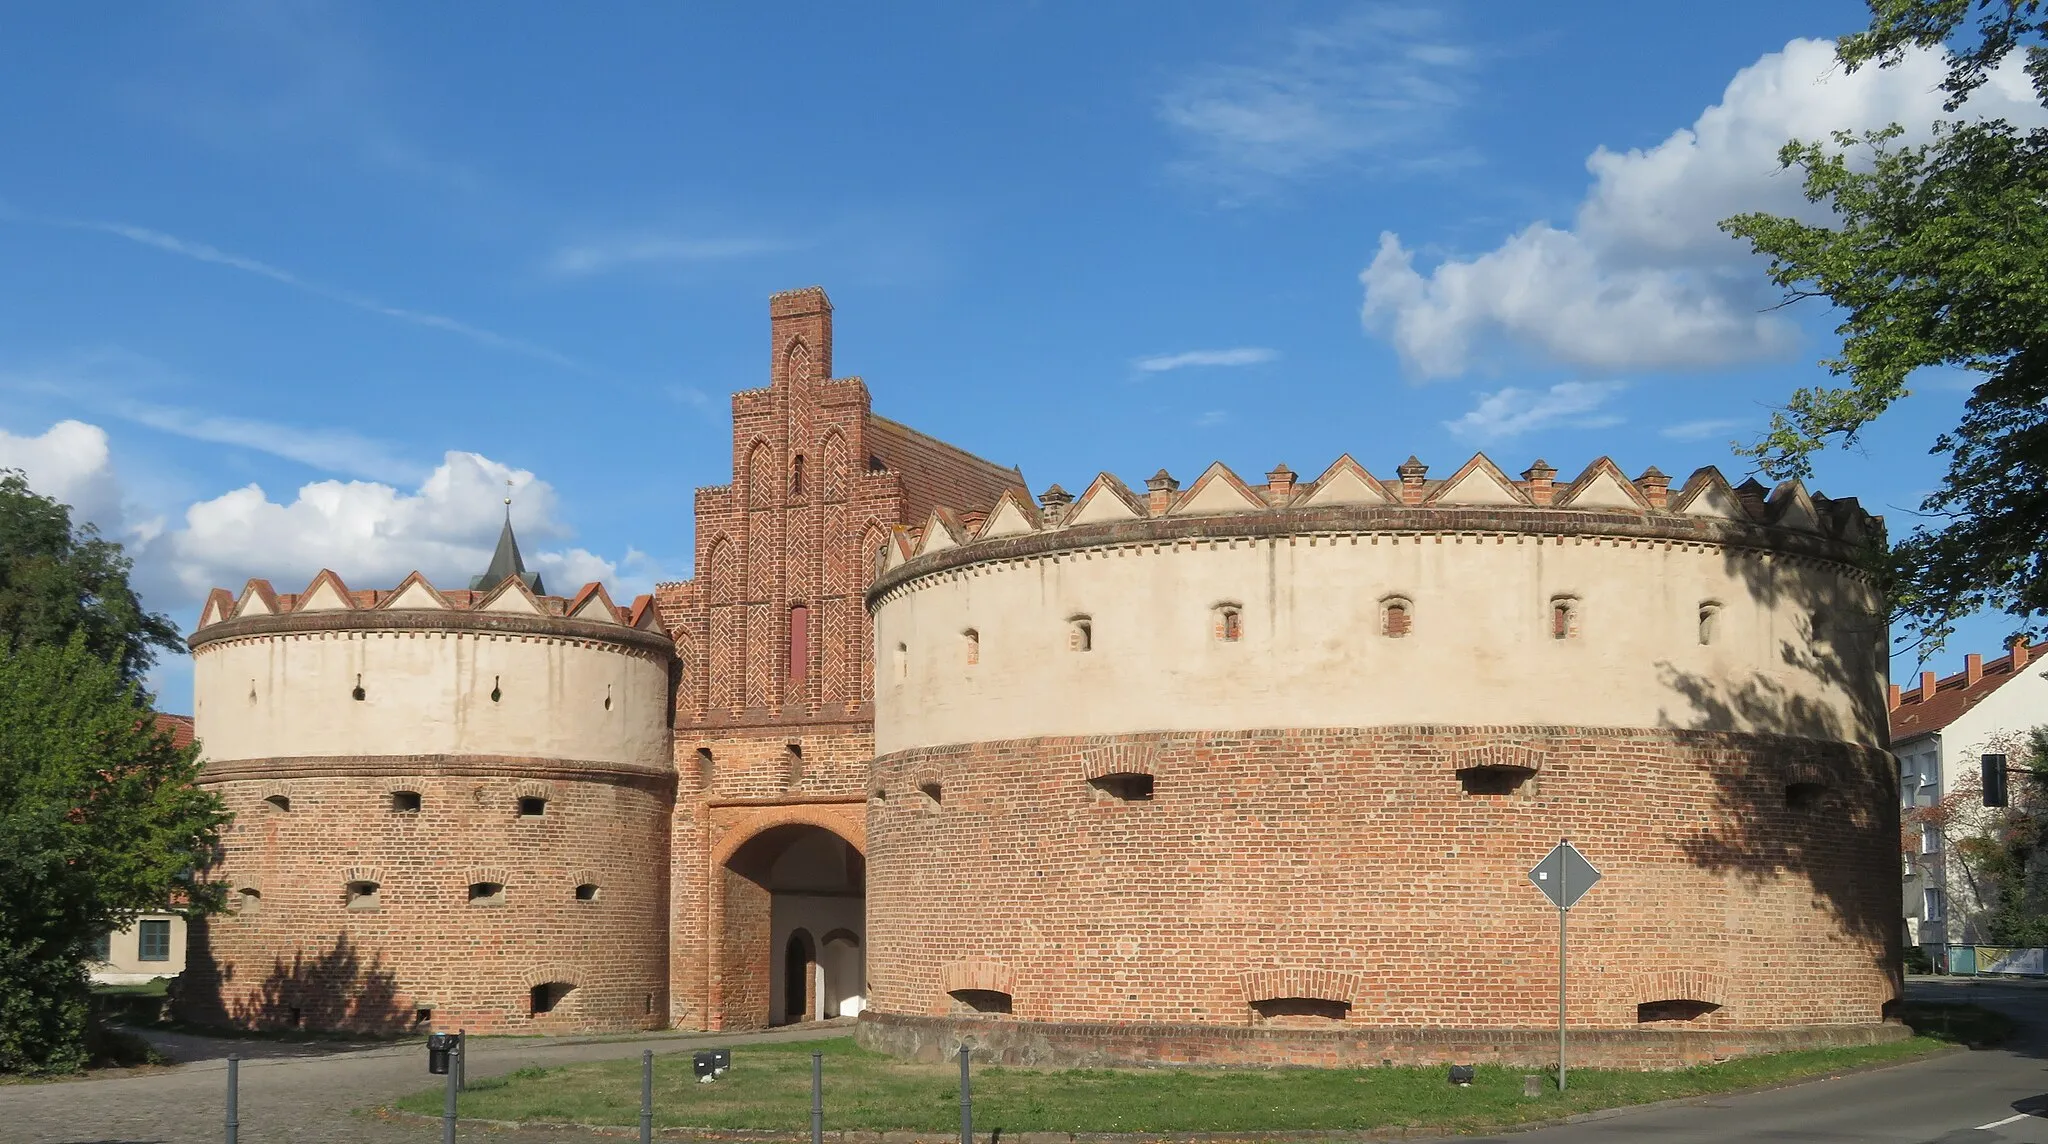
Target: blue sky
[{"x": 299, "y": 285}]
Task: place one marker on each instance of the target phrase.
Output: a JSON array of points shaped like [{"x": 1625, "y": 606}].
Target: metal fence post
[
  {"x": 448, "y": 1106},
  {"x": 817, "y": 1098},
  {"x": 234, "y": 1097},
  {"x": 461, "y": 1069},
  {"x": 647, "y": 1096},
  {"x": 966, "y": 1102}
]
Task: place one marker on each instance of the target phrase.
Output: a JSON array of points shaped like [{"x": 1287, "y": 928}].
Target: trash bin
[{"x": 440, "y": 1047}]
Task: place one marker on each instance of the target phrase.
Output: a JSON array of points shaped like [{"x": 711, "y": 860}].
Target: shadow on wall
[
  {"x": 1820, "y": 802},
  {"x": 335, "y": 989}
]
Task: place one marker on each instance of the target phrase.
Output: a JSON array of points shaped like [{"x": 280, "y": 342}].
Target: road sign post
[{"x": 1564, "y": 876}]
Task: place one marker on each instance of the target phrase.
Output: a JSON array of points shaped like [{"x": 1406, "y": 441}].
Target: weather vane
[{"x": 508, "y": 498}]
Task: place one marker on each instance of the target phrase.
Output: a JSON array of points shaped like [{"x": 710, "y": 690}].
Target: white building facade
[{"x": 1940, "y": 733}]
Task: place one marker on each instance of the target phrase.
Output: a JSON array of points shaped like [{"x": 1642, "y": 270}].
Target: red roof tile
[
  {"x": 178, "y": 727},
  {"x": 1918, "y": 713}
]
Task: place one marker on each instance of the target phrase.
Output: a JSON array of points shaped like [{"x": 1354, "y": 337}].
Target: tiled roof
[
  {"x": 1927, "y": 709},
  {"x": 178, "y": 727}
]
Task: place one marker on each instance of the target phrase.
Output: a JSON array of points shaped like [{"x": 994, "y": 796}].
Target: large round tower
[
  {"x": 451, "y": 807},
  {"x": 1256, "y": 773}
]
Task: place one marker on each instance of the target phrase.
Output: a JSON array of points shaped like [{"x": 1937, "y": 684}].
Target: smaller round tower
[{"x": 451, "y": 807}]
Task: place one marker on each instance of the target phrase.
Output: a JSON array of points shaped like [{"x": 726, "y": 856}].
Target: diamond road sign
[{"x": 1564, "y": 875}]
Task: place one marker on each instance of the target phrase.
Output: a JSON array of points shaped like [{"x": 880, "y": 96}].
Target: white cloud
[
  {"x": 1643, "y": 278},
  {"x": 371, "y": 533},
  {"x": 1212, "y": 418},
  {"x": 70, "y": 462},
  {"x": 1512, "y": 412},
  {"x": 1244, "y": 355},
  {"x": 643, "y": 250},
  {"x": 1697, "y": 430},
  {"x": 1377, "y": 86}
]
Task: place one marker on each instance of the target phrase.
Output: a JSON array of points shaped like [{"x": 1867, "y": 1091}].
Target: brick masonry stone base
[
  {"x": 1274, "y": 882},
  {"x": 298, "y": 950},
  {"x": 1080, "y": 1044}
]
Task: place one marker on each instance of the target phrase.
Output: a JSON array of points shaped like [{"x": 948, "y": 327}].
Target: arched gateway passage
[{"x": 792, "y": 932}]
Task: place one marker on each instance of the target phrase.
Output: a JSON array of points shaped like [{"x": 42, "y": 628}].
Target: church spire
[{"x": 505, "y": 562}]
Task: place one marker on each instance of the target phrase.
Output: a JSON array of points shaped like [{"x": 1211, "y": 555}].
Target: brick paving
[{"x": 305, "y": 1094}]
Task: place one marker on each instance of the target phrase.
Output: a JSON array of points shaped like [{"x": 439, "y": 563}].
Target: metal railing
[{"x": 450, "y": 1057}]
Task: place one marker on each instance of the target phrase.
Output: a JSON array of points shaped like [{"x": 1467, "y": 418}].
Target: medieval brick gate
[
  {"x": 773, "y": 714},
  {"x": 786, "y": 914}
]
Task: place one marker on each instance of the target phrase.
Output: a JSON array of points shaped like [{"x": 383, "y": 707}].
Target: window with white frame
[
  {"x": 1930, "y": 838},
  {"x": 1930, "y": 905}
]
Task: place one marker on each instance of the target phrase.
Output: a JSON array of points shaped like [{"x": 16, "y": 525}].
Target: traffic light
[{"x": 1994, "y": 780}]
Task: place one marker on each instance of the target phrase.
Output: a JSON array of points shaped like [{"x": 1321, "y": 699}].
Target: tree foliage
[
  {"x": 56, "y": 581},
  {"x": 1937, "y": 255},
  {"x": 99, "y": 815},
  {"x": 1998, "y": 856}
]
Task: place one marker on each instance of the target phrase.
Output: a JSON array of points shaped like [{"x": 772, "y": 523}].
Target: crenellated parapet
[
  {"x": 415, "y": 594},
  {"x": 1477, "y": 496}
]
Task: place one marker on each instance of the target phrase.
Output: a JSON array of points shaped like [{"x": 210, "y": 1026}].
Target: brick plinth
[
  {"x": 1357, "y": 869},
  {"x": 295, "y": 953},
  {"x": 1047, "y": 1044}
]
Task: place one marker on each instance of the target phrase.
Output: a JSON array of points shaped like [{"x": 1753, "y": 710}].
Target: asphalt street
[{"x": 1983, "y": 1097}]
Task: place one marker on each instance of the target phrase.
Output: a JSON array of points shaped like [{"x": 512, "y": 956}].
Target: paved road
[
  {"x": 1986, "y": 1097},
  {"x": 304, "y": 1094},
  {"x": 308, "y": 1094}
]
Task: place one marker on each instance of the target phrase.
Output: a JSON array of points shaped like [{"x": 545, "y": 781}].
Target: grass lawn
[{"x": 769, "y": 1088}]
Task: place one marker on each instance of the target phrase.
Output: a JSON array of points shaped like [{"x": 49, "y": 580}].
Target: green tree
[
  {"x": 56, "y": 581},
  {"x": 99, "y": 815},
  {"x": 1937, "y": 255}
]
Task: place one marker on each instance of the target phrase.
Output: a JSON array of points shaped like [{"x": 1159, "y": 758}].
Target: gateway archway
[{"x": 792, "y": 940}]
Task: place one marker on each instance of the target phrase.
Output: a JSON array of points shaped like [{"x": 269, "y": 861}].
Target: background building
[{"x": 1940, "y": 732}]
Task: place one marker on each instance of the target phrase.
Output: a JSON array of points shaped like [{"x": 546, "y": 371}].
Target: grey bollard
[
  {"x": 966, "y": 1102},
  {"x": 448, "y": 1105},
  {"x": 234, "y": 1097},
  {"x": 647, "y": 1096},
  {"x": 817, "y": 1098}
]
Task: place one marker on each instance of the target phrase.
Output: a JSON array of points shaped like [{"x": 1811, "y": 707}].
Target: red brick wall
[
  {"x": 426, "y": 946},
  {"x": 1356, "y": 854}
]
